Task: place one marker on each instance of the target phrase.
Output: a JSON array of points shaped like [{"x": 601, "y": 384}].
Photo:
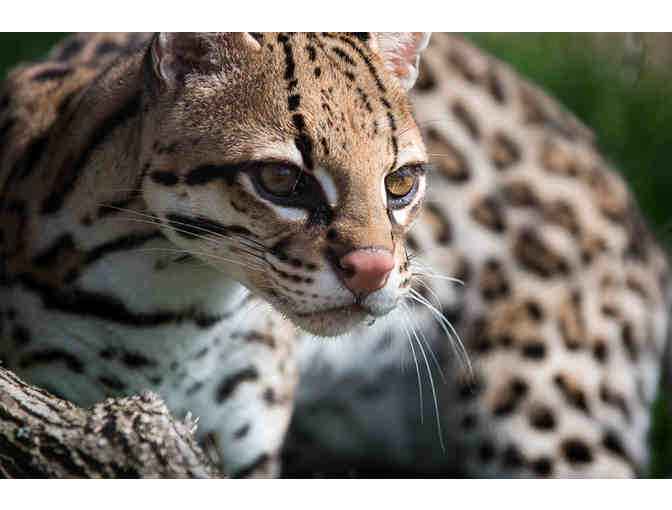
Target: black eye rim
[{"x": 418, "y": 170}]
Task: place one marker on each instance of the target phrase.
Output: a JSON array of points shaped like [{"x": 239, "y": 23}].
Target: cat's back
[{"x": 35, "y": 96}]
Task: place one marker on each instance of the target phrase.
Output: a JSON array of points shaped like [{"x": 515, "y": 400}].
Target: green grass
[
  {"x": 631, "y": 114},
  {"x": 20, "y": 46}
]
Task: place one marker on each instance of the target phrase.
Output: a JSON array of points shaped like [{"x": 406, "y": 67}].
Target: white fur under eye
[{"x": 328, "y": 186}]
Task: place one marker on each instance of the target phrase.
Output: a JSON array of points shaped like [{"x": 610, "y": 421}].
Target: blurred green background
[{"x": 618, "y": 84}]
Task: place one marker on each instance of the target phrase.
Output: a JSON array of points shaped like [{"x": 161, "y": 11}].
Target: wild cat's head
[{"x": 290, "y": 161}]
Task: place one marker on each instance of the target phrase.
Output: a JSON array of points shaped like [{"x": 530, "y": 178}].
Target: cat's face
[{"x": 293, "y": 163}]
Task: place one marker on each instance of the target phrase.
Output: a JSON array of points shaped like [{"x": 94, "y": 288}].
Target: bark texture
[{"x": 44, "y": 436}]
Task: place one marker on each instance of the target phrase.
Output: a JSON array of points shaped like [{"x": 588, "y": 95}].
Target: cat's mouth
[
  {"x": 333, "y": 321},
  {"x": 347, "y": 310}
]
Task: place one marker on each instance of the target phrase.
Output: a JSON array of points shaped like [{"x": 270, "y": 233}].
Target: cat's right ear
[
  {"x": 401, "y": 53},
  {"x": 174, "y": 55}
]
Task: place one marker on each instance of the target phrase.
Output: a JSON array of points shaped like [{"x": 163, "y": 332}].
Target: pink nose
[{"x": 366, "y": 270}]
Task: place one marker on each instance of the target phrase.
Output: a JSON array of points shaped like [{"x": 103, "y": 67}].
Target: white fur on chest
[
  {"x": 234, "y": 371},
  {"x": 147, "y": 278}
]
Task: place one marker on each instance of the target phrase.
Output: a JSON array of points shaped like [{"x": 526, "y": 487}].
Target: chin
[{"x": 333, "y": 322}]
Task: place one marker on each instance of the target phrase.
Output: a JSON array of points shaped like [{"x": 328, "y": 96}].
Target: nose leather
[{"x": 366, "y": 270}]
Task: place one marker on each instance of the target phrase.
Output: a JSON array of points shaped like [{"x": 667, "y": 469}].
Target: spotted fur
[
  {"x": 139, "y": 248},
  {"x": 137, "y": 232},
  {"x": 563, "y": 309}
]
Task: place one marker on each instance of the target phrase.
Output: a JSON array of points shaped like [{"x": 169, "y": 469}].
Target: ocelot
[{"x": 185, "y": 212}]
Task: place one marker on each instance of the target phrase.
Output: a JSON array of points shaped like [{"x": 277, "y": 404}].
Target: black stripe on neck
[{"x": 71, "y": 170}]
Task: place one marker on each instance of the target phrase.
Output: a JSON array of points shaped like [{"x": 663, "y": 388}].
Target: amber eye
[
  {"x": 400, "y": 183},
  {"x": 279, "y": 180}
]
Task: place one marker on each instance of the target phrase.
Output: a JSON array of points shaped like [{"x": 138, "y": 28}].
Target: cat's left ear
[{"x": 401, "y": 53}]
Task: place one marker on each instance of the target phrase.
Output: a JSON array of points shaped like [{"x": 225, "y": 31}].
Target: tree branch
[{"x": 44, "y": 436}]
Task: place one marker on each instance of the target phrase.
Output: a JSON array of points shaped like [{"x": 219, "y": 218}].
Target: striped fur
[
  {"x": 141, "y": 246},
  {"x": 135, "y": 227}
]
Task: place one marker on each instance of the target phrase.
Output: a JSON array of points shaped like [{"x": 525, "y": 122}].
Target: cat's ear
[
  {"x": 174, "y": 55},
  {"x": 401, "y": 53}
]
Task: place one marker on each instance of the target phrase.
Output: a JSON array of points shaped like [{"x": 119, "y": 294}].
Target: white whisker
[
  {"x": 203, "y": 254},
  {"x": 156, "y": 220},
  {"x": 431, "y": 382},
  {"x": 440, "y": 277},
  {"x": 419, "y": 331},
  {"x": 447, "y": 328},
  {"x": 433, "y": 295},
  {"x": 216, "y": 241},
  {"x": 417, "y": 367}
]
